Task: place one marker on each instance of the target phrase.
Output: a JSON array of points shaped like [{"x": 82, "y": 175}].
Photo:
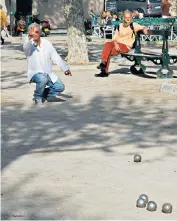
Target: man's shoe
[
  {"x": 66, "y": 96},
  {"x": 38, "y": 102},
  {"x": 102, "y": 65},
  {"x": 54, "y": 99},
  {"x": 45, "y": 93},
  {"x": 102, "y": 74}
]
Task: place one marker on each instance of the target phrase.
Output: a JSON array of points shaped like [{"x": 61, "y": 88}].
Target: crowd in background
[
  {"x": 110, "y": 18},
  {"x": 106, "y": 17}
]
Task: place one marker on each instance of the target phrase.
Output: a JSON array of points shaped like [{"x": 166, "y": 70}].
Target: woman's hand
[
  {"x": 145, "y": 30},
  {"x": 116, "y": 45}
]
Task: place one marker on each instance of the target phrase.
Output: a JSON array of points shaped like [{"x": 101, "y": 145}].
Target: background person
[
  {"x": 135, "y": 14},
  {"x": 165, "y": 6},
  {"x": 3, "y": 22},
  {"x": 109, "y": 18},
  {"x": 103, "y": 18},
  {"x": 115, "y": 19}
]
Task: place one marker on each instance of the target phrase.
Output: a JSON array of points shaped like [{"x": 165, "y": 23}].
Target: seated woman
[
  {"x": 135, "y": 14},
  {"x": 122, "y": 42},
  {"x": 115, "y": 19},
  {"x": 106, "y": 17},
  {"x": 94, "y": 17},
  {"x": 109, "y": 17},
  {"x": 103, "y": 18}
]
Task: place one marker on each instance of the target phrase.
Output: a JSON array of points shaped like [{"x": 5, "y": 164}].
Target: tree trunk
[
  {"x": 77, "y": 45},
  {"x": 174, "y": 7}
]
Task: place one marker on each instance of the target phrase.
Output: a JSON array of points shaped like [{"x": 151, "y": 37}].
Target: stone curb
[{"x": 169, "y": 88}]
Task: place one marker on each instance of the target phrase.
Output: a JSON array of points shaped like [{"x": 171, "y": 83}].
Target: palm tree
[{"x": 77, "y": 45}]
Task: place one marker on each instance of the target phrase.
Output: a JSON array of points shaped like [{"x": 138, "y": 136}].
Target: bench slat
[
  {"x": 150, "y": 55},
  {"x": 141, "y": 54}
]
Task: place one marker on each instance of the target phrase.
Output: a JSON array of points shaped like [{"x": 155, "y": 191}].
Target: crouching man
[
  {"x": 122, "y": 42},
  {"x": 40, "y": 54}
]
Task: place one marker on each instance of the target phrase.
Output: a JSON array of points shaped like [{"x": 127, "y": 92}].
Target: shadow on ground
[
  {"x": 31, "y": 206},
  {"x": 16, "y": 79},
  {"x": 105, "y": 124},
  {"x": 94, "y": 51},
  {"x": 126, "y": 71},
  {"x": 76, "y": 127}
]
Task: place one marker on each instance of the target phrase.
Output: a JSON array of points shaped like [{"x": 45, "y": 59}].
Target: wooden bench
[{"x": 164, "y": 58}]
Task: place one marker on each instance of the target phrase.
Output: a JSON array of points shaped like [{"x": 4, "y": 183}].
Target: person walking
[
  {"x": 40, "y": 54},
  {"x": 3, "y": 22},
  {"x": 165, "y": 6}
]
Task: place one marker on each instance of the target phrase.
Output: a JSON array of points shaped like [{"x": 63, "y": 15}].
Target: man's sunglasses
[{"x": 37, "y": 32}]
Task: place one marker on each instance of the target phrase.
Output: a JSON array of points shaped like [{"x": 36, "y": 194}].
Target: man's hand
[
  {"x": 68, "y": 73},
  {"x": 30, "y": 34},
  {"x": 116, "y": 46}
]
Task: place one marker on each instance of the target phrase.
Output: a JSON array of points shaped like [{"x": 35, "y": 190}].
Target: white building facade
[{"x": 53, "y": 10}]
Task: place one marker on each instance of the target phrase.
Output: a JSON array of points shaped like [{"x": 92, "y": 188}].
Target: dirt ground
[{"x": 74, "y": 160}]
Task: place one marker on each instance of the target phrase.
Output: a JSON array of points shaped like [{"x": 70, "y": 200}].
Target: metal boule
[
  {"x": 167, "y": 208},
  {"x": 144, "y": 196},
  {"x": 137, "y": 158},
  {"x": 141, "y": 203},
  {"x": 151, "y": 206}
]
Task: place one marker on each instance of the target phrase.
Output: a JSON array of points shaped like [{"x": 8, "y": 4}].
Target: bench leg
[
  {"x": 134, "y": 70},
  {"x": 165, "y": 71}
]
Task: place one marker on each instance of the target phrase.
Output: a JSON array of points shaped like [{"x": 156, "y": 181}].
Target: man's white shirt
[{"x": 40, "y": 58}]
